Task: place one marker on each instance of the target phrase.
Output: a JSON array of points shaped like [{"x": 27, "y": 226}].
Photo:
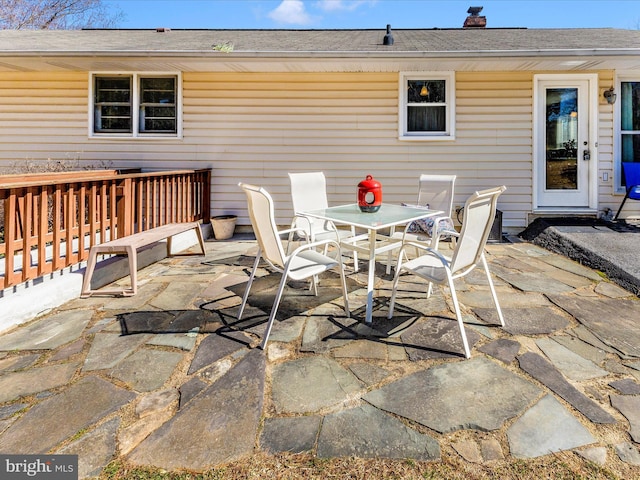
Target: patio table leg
[{"x": 370, "y": 275}]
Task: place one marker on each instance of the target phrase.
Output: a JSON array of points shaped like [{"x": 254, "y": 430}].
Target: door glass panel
[{"x": 561, "y": 132}]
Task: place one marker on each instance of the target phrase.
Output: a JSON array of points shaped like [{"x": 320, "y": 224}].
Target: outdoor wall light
[{"x": 610, "y": 96}]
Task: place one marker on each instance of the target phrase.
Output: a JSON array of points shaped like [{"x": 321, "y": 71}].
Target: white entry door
[{"x": 565, "y": 157}]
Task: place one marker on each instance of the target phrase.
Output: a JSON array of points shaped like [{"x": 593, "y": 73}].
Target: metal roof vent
[
  {"x": 388, "y": 38},
  {"x": 474, "y": 20}
]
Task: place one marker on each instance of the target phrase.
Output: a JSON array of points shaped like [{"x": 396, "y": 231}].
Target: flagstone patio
[{"x": 170, "y": 378}]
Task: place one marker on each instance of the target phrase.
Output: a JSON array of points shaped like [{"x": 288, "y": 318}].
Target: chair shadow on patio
[{"x": 424, "y": 335}]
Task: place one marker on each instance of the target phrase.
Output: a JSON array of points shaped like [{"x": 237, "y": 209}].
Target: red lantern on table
[{"x": 369, "y": 195}]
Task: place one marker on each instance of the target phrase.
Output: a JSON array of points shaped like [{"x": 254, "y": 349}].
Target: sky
[{"x": 341, "y": 14}]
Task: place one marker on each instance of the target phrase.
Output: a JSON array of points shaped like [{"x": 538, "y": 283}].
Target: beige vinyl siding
[
  {"x": 259, "y": 127},
  {"x": 606, "y": 196},
  {"x": 256, "y": 128}
]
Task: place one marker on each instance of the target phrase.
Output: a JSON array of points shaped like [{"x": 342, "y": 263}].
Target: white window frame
[
  {"x": 135, "y": 106},
  {"x": 617, "y": 130},
  {"x": 450, "y": 94}
]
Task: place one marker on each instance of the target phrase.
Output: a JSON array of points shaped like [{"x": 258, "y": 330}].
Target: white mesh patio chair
[
  {"x": 309, "y": 192},
  {"x": 304, "y": 262},
  {"x": 479, "y": 214},
  {"x": 436, "y": 193}
]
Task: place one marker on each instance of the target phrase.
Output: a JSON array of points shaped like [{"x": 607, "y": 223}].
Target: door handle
[{"x": 586, "y": 155}]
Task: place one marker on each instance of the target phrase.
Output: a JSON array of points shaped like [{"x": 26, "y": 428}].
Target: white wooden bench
[{"x": 129, "y": 246}]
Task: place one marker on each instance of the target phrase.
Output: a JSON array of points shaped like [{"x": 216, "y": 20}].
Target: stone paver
[
  {"x": 503, "y": 349},
  {"x": 622, "y": 334},
  {"x": 215, "y": 347},
  {"x": 311, "y": 384},
  {"x": 582, "y": 348},
  {"x": 94, "y": 449},
  {"x": 436, "y": 338},
  {"x": 594, "y": 454},
  {"x": 611, "y": 290},
  {"x": 17, "y": 362},
  {"x": 189, "y": 390},
  {"x": 475, "y": 394},
  {"x": 469, "y": 450},
  {"x": 545, "y": 372},
  {"x": 14, "y": 385},
  {"x": 177, "y": 296},
  {"x": 48, "y": 333},
  {"x": 219, "y": 425},
  {"x": 63, "y": 415},
  {"x": 628, "y": 453},
  {"x": 546, "y": 428},
  {"x": 368, "y": 433},
  {"x": 526, "y": 320},
  {"x": 290, "y": 434},
  {"x": 572, "y": 365},
  {"x": 533, "y": 282},
  {"x": 135, "y": 372},
  {"x": 491, "y": 450},
  {"x": 629, "y": 406},
  {"x": 108, "y": 349},
  {"x": 368, "y": 373},
  {"x": 626, "y": 386}
]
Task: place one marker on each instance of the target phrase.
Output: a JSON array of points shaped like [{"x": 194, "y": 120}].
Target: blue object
[{"x": 632, "y": 181}]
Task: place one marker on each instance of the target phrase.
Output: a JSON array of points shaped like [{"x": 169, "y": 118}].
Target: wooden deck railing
[{"x": 52, "y": 220}]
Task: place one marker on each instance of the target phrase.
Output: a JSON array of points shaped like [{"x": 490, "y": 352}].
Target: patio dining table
[{"x": 389, "y": 215}]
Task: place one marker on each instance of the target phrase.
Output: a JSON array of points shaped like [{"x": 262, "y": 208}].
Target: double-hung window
[
  {"x": 135, "y": 105},
  {"x": 427, "y": 106},
  {"x": 629, "y": 140}
]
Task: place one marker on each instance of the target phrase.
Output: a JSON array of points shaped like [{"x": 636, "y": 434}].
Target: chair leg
[
  {"x": 456, "y": 307},
  {"x": 622, "y": 204},
  {"x": 289, "y": 241},
  {"x": 493, "y": 289},
  {"x": 246, "y": 290},
  {"x": 274, "y": 310},
  {"x": 344, "y": 291},
  {"x": 394, "y": 288},
  {"x": 355, "y": 261}
]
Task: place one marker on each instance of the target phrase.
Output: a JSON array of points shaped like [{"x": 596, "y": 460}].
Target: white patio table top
[{"x": 389, "y": 215}]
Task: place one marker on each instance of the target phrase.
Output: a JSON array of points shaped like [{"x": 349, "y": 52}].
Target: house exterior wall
[
  {"x": 257, "y": 127},
  {"x": 606, "y": 195}
]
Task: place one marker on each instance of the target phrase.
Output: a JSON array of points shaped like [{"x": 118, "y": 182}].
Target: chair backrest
[
  {"x": 437, "y": 192},
  {"x": 479, "y": 214},
  {"x": 308, "y": 192},
  {"x": 262, "y": 215},
  {"x": 632, "y": 179}
]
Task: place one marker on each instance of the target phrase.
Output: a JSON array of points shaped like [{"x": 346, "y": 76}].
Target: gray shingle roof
[{"x": 315, "y": 42}]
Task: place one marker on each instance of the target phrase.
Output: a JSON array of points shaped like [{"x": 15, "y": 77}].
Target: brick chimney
[{"x": 474, "y": 20}]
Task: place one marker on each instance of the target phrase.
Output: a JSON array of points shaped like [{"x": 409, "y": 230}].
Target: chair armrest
[
  {"x": 297, "y": 217},
  {"x": 428, "y": 250},
  {"x": 290, "y": 230},
  {"x": 320, "y": 243}
]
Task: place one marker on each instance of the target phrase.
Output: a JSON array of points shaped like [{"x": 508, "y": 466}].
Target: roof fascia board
[{"x": 333, "y": 54}]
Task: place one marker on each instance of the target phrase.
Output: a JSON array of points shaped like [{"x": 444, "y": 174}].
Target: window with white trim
[
  {"x": 135, "y": 105},
  {"x": 427, "y": 102},
  {"x": 629, "y": 140}
]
